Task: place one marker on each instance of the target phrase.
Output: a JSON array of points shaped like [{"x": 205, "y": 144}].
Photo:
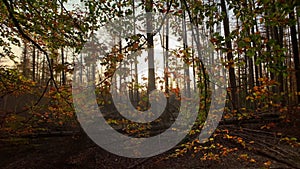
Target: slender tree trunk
[
  {"x": 258, "y": 72},
  {"x": 251, "y": 73},
  {"x": 43, "y": 71},
  {"x": 38, "y": 66},
  {"x": 33, "y": 63},
  {"x": 122, "y": 74},
  {"x": 194, "y": 64},
  {"x": 136, "y": 85},
  {"x": 49, "y": 72},
  {"x": 239, "y": 80},
  {"x": 25, "y": 59},
  {"x": 256, "y": 68},
  {"x": 186, "y": 65},
  {"x": 167, "y": 59},
  {"x": 150, "y": 45},
  {"x": 281, "y": 63},
  {"x": 295, "y": 53},
  {"x": 81, "y": 69},
  {"x": 63, "y": 76},
  {"x": 232, "y": 78}
]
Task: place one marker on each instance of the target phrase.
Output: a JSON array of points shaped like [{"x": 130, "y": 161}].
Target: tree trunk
[
  {"x": 150, "y": 45},
  {"x": 63, "y": 76},
  {"x": 295, "y": 53},
  {"x": 232, "y": 78},
  {"x": 43, "y": 71},
  {"x": 33, "y": 63},
  {"x": 25, "y": 59},
  {"x": 136, "y": 85},
  {"x": 186, "y": 66},
  {"x": 167, "y": 58}
]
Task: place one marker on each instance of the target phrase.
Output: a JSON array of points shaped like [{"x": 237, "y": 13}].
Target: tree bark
[
  {"x": 25, "y": 59},
  {"x": 33, "y": 63},
  {"x": 295, "y": 53},
  {"x": 150, "y": 45},
  {"x": 186, "y": 66},
  {"x": 63, "y": 76},
  {"x": 232, "y": 78}
]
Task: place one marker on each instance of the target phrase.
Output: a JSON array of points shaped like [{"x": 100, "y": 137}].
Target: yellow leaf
[
  {"x": 247, "y": 39},
  {"x": 244, "y": 156}
]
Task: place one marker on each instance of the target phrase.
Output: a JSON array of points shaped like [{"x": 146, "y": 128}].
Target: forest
[{"x": 149, "y": 84}]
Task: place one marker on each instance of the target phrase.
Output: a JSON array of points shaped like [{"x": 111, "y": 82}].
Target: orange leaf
[
  {"x": 267, "y": 163},
  {"x": 135, "y": 46}
]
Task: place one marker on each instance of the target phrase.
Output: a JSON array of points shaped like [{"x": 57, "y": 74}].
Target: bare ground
[{"x": 261, "y": 147}]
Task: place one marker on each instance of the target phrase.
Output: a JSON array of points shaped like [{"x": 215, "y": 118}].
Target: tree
[
  {"x": 150, "y": 45},
  {"x": 230, "y": 59},
  {"x": 295, "y": 52}
]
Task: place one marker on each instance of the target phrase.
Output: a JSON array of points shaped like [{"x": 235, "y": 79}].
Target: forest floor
[{"x": 247, "y": 145}]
